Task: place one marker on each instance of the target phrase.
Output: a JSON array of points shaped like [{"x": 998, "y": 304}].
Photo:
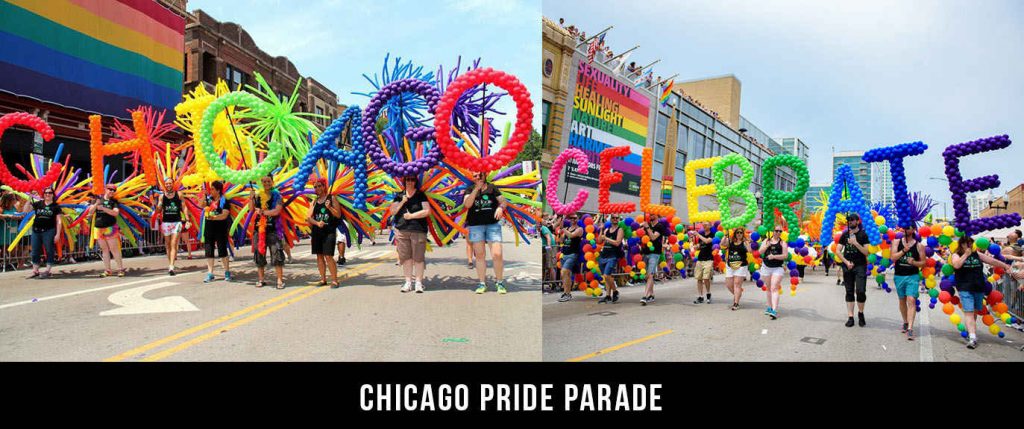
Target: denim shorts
[
  {"x": 569, "y": 261},
  {"x": 488, "y": 233},
  {"x": 652, "y": 260},
  {"x": 907, "y": 285},
  {"x": 607, "y": 265},
  {"x": 972, "y": 301}
]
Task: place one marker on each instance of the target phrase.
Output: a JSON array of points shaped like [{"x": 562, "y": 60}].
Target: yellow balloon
[
  {"x": 994, "y": 329},
  {"x": 953, "y": 246},
  {"x": 954, "y": 319},
  {"x": 947, "y": 231}
]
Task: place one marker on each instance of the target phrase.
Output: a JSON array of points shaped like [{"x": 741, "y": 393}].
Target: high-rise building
[
  {"x": 978, "y": 202},
  {"x": 812, "y": 199},
  {"x": 861, "y": 169},
  {"x": 881, "y": 183},
  {"x": 795, "y": 146}
]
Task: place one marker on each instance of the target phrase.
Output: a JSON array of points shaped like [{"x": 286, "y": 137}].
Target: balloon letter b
[{"x": 739, "y": 189}]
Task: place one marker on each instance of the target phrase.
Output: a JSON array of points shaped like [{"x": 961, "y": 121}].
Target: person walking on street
[
  {"x": 969, "y": 276},
  {"x": 910, "y": 258},
  {"x": 652, "y": 252},
  {"x": 774, "y": 252},
  {"x": 737, "y": 247},
  {"x": 704, "y": 269},
  {"x": 853, "y": 252},
  {"x": 608, "y": 259},
  {"x": 48, "y": 220},
  {"x": 215, "y": 233},
  {"x": 571, "y": 238}
]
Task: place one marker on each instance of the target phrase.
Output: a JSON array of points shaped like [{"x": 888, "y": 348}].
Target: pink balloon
[{"x": 556, "y": 170}]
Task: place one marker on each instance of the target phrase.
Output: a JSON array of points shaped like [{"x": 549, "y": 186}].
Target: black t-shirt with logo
[
  {"x": 484, "y": 207},
  {"x": 321, "y": 213},
  {"x": 705, "y": 248},
  {"x": 903, "y": 265},
  {"x": 738, "y": 253},
  {"x": 773, "y": 249},
  {"x": 417, "y": 202},
  {"x": 46, "y": 216},
  {"x": 171, "y": 208},
  {"x": 662, "y": 231},
  {"x": 851, "y": 253},
  {"x": 103, "y": 219},
  {"x": 216, "y": 208},
  {"x": 971, "y": 275}
]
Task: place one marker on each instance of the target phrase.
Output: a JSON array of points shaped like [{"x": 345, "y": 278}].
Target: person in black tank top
[
  {"x": 736, "y": 246},
  {"x": 773, "y": 254},
  {"x": 174, "y": 220},
  {"x": 105, "y": 211},
  {"x": 570, "y": 238},
  {"x": 969, "y": 273},
  {"x": 908, "y": 254},
  {"x": 611, "y": 252},
  {"x": 323, "y": 221},
  {"x": 853, "y": 253}
]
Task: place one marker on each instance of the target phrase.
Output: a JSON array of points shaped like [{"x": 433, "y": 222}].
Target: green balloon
[
  {"x": 960, "y": 326},
  {"x": 947, "y": 269},
  {"x": 679, "y": 228},
  {"x": 982, "y": 242},
  {"x": 256, "y": 107},
  {"x": 933, "y": 292},
  {"x": 945, "y": 240},
  {"x": 883, "y": 229},
  {"x": 872, "y": 259},
  {"x": 880, "y": 278}
]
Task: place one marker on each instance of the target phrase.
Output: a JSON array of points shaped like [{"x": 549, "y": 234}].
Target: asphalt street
[
  {"x": 150, "y": 316},
  {"x": 811, "y": 327}
]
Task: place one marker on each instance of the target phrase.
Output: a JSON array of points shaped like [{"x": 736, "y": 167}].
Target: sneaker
[
  {"x": 904, "y": 328},
  {"x": 910, "y": 335},
  {"x": 605, "y": 299},
  {"x": 615, "y": 297},
  {"x": 106, "y": 274},
  {"x": 471, "y": 265},
  {"x": 481, "y": 288},
  {"x": 170, "y": 272},
  {"x": 860, "y": 320},
  {"x": 699, "y": 300},
  {"x": 849, "y": 322},
  {"x": 121, "y": 273},
  {"x": 44, "y": 275},
  {"x": 36, "y": 274},
  {"x": 227, "y": 276},
  {"x": 773, "y": 314},
  {"x": 209, "y": 278},
  {"x": 767, "y": 311},
  {"x": 735, "y": 306},
  {"x": 708, "y": 301},
  {"x": 342, "y": 261},
  {"x": 419, "y": 287},
  {"x": 565, "y": 297},
  {"x": 650, "y": 299},
  {"x": 501, "y": 287},
  {"x": 972, "y": 343},
  {"x": 406, "y": 287},
  {"x": 643, "y": 300}
]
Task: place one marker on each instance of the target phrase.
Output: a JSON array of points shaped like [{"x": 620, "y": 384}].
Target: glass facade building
[{"x": 861, "y": 169}]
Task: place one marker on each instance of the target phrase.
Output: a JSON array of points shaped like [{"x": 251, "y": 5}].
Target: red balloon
[{"x": 37, "y": 124}]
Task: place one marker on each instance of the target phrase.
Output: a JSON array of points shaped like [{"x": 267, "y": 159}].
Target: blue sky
[
  {"x": 336, "y": 41},
  {"x": 849, "y": 75}
]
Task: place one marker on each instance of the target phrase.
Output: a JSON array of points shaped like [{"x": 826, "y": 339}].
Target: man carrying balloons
[
  {"x": 572, "y": 241},
  {"x": 651, "y": 248},
  {"x": 853, "y": 253},
  {"x": 612, "y": 236},
  {"x": 267, "y": 206},
  {"x": 704, "y": 268}
]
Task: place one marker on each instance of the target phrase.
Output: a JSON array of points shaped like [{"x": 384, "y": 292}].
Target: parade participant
[
  {"x": 652, "y": 254},
  {"x": 704, "y": 269},
  {"x": 853, "y": 253},
  {"x": 323, "y": 218},
  {"x": 773, "y": 252},
  {"x": 826, "y": 260},
  {"x": 173, "y": 217},
  {"x": 266, "y": 204},
  {"x": 10, "y": 218},
  {"x": 969, "y": 277},
  {"x": 486, "y": 207},
  {"x": 737, "y": 248},
  {"x": 47, "y": 222},
  {"x": 107, "y": 232},
  {"x": 909, "y": 256},
  {"x": 411, "y": 209},
  {"x": 215, "y": 232},
  {"x": 608, "y": 259},
  {"x": 571, "y": 238}
]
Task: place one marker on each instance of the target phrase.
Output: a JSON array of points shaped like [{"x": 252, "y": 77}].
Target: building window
[
  {"x": 661, "y": 129},
  {"x": 659, "y": 152},
  {"x": 235, "y": 78},
  {"x": 545, "y": 111}
]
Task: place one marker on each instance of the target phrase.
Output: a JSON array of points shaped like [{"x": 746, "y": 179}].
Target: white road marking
[
  {"x": 132, "y": 301},
  {"x": 764, "y": 332},
  {"x": 924, "y": 338},
  {"x": 883, "y": 347}
]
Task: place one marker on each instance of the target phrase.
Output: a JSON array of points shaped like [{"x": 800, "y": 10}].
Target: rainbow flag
[
  {"x": 668, "y": 90},
  {"x": 101, "y": 56}
]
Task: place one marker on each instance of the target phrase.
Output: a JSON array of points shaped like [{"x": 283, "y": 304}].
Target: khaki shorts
[
  {"x": 703, "y": 270},
  {"x": 411, "y": 245}
]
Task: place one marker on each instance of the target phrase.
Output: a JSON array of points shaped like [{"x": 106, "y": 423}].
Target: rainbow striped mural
[
  {"x": 608, "y": 112},
  {"x": 101, "y": 56}
]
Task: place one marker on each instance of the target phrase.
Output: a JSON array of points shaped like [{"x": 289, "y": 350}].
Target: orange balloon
[
  {"x": 947, "y": 308},
  {"x": 988, "y": 319}
]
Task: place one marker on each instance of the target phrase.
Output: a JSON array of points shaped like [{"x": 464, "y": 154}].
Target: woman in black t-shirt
[
  {"x": 737, "y": 247},
  {"x": 410, "y": 212},
  {"x": 173, "y": 220},
  {"x": 773, "y": 252},
  {"x": 215, "y": 231},
  {"x": 323, "y": 220},
  {"x": 48, "y": 219},
  {"x": 969, "y": 276},
  {"x": 105, "y": 228},
  {"x": 486, "y": 206}
]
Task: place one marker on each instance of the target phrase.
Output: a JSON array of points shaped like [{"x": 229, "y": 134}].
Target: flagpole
[{"x": 595, "y": 36}]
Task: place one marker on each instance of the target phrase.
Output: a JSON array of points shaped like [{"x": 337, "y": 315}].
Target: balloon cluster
[
  {"x": 959, "y": 188},
  {"x": 694, "y": 191},
  {"x": 582, "y": 166},
  {"x": 524, "y": 119},
  {"x": 416, "y": 134},
  {"x": 252, "y": 174},
  {"x": 98, "y": 150},
  {"x": 856, "y": 204},
  {"x": 776, "y": 199},
  {"x": 609, "y": 178},
  {"x": 895, "y": 155},
  {"x": 326, "y": 149},
  {"x": 738, "y": 189},
  {"x": 40, "y": 126}
]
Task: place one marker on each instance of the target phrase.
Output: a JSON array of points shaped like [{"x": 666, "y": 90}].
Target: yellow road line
[
  {"x": 219, "y": 320},
  {"x": 620, "y": 346}
]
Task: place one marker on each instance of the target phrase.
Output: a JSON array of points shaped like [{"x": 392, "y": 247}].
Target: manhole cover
[{"x": 812, "y": 340}]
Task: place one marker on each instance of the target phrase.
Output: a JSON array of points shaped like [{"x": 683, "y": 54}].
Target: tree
[{"x": 531, "y": 151}]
